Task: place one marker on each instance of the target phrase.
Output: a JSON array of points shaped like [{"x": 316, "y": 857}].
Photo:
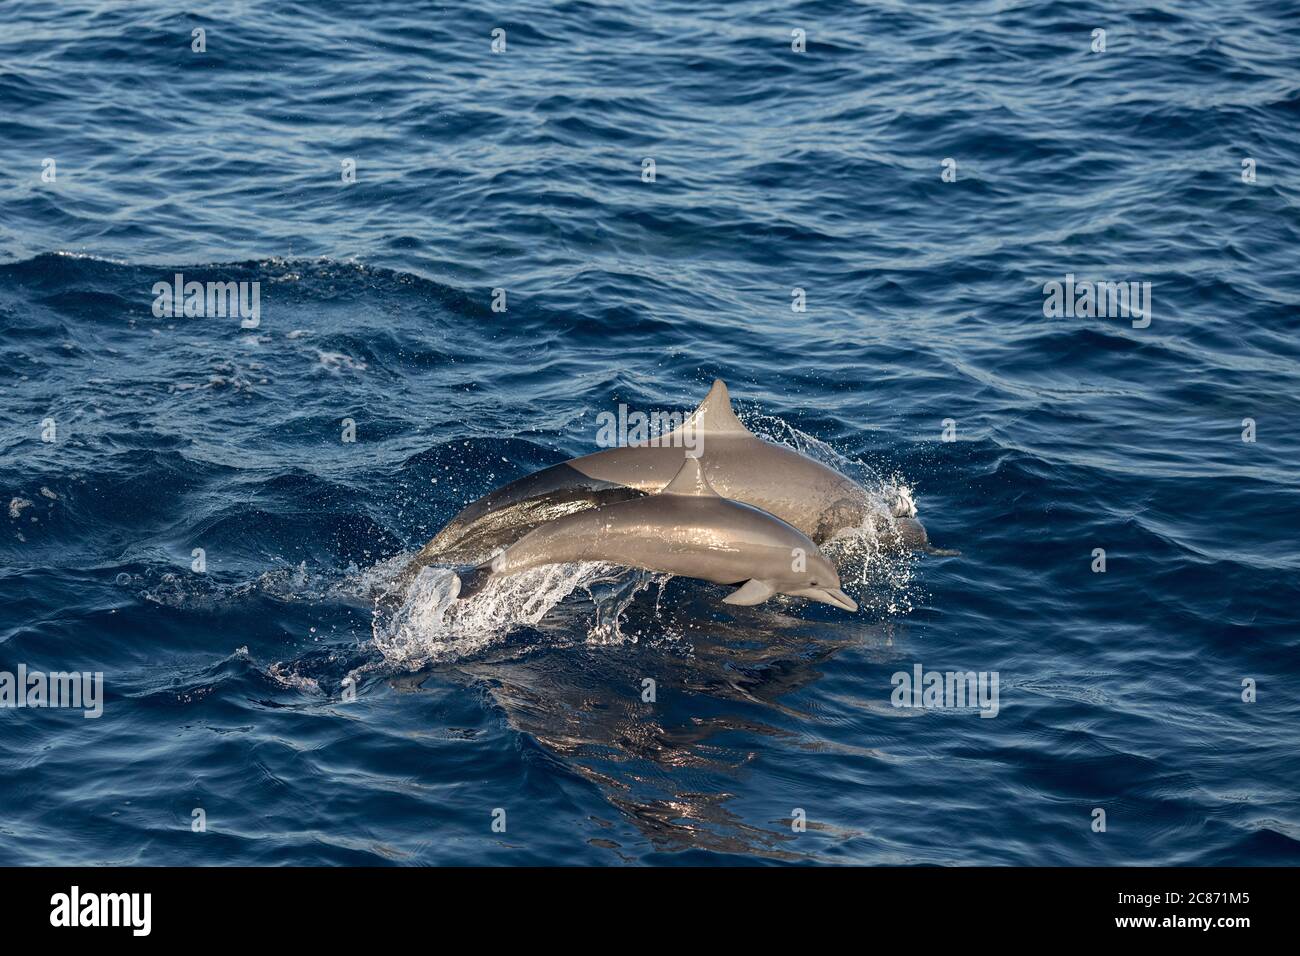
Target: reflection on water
[{"x": 672, "y": 764}]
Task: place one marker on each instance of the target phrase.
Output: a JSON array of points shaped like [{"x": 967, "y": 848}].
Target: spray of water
[
  {"x": 873, "y": 566},
  {"x": 426, "y": 624}
]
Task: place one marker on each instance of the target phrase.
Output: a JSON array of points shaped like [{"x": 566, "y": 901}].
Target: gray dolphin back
[{"x": 802, "y": 492}]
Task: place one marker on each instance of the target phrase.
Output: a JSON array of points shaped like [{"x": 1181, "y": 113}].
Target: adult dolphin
[
  {"x": 687, "y": 529},
  {"x": 738, "y": 464}
]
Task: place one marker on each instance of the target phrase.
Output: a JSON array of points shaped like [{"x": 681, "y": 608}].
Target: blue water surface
[{"x": 774, "y": 170}]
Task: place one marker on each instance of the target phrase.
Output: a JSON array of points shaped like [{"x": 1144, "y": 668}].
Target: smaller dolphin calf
[{"x": 687, "y": 529}]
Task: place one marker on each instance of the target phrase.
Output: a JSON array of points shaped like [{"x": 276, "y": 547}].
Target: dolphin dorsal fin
[
  {"x": 714, "y": 416},
  {"x": 690, "y": 480}
]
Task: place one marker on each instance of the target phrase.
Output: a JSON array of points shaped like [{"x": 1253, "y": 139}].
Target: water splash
[
  {"x": 421, "y": 622},
  {"x": 873, "y": 563},
  {"x": 874, "y": 567}
]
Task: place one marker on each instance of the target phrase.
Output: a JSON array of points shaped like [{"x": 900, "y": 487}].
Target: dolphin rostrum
[
  {"x": 739, "y": 465},
  {"x": 687, "y": 529}
]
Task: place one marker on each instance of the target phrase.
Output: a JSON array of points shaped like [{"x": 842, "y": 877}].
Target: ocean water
[{"x": 225, "y": 690}]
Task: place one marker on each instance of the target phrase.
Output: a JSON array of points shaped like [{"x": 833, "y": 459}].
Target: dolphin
[
  {"x": 687, "y": 529},
  {"x": 741, "y": 466}
]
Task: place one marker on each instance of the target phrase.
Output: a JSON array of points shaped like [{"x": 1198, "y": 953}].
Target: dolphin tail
[{"x": 473, "y": 581}]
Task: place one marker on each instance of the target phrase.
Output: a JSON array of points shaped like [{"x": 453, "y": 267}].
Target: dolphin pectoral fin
[{"x": 752, "y": 591}]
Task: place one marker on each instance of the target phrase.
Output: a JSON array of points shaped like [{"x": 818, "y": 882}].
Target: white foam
[
  {"x": 426, "y": 624},
  {"x": 880, "y": 576}
]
